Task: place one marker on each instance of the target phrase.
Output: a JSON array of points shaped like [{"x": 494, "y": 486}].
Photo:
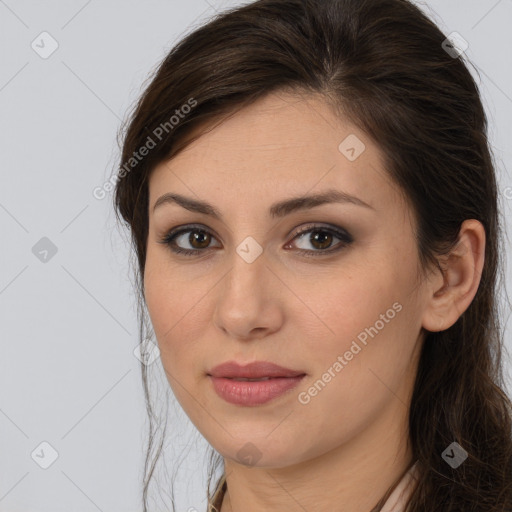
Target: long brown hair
[{"x": 385, "y": 66}]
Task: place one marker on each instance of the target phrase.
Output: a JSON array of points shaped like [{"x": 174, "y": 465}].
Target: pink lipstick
[{"x": 253, "y": 384}]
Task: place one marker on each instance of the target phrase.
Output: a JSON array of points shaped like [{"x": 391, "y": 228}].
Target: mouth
[{"x": 253, "y": 384}]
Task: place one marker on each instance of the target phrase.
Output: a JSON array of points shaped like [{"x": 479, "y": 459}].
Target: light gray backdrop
[{"x": 70, "y": 392}]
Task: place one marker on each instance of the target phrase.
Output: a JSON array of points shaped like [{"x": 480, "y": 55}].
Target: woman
[{"x": 313, "y": 206}]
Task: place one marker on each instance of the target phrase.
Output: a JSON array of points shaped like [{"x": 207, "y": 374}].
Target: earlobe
[{"x": 451, "y": 294}]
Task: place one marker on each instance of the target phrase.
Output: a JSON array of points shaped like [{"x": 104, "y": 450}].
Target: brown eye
[
  {"x": 197, "y": 238},
  {"x": 324, "y": 240},
  {"x": 321, "y": 239}
]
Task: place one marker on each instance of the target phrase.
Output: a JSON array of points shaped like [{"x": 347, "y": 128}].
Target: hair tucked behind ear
[{"x": 380, "y": 63}]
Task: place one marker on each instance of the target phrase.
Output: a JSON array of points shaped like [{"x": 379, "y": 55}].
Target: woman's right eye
[{"x": 197, "y": 236}]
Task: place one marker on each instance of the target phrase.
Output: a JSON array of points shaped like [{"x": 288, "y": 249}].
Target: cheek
[
  {"x": 370, "y": 320},
  {"x": 180, "y": 314},
  {"x": 353, "y": 380},
  {"x": 344, "y": 305},
  {"x": 178, "y": 320}
]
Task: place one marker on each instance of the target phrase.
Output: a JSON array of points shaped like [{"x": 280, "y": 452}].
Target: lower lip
[{"x": 248, "y": 393}]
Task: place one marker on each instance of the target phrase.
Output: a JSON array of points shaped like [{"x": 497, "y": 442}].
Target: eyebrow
[{"x": 279, "y": 209}]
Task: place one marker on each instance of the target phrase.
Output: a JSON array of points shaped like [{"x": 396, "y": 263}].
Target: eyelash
[{"x": 345, "y": 237}]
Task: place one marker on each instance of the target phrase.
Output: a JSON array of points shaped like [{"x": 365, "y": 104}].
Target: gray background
[{"x": 68, "y": 373}]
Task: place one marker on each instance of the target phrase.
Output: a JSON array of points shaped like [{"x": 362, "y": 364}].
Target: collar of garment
[{"x": 404, "y": 488}]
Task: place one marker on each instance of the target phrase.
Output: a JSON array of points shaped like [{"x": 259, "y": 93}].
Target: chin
[{"x": 260, "y": 453}]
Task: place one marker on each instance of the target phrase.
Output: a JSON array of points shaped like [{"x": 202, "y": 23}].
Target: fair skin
[{"x": 348, "y": 444}]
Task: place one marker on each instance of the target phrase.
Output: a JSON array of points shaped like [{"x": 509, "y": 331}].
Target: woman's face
[{"x": 340, "y": 305}]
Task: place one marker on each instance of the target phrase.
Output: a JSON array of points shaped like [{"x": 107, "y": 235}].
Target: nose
[{"x": 249, "y": 300}]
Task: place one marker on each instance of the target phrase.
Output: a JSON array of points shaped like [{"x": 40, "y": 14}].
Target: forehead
[{"x": 284, "y": 144}]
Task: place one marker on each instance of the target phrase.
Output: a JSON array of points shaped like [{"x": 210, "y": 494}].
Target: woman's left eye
[
  {"x": 322, "y": 238},
  {"x": 199, "y": 239}
]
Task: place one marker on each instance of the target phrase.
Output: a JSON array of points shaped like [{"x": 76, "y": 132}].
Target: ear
[{"x": 451, "y": 293}]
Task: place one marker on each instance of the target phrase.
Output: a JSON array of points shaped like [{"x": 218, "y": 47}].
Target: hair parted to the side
[{"x": 381, "y": 64}]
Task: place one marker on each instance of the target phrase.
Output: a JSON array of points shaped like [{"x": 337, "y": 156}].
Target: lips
[
  {"x": 254, "y": 384},
  {"x": 256, "y": 371}
]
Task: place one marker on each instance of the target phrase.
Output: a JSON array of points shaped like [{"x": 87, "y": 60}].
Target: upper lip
[{"x": 255, "y": 370}]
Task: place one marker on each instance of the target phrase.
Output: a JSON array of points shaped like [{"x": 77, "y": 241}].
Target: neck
[{"x": 356, "y": 475}]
